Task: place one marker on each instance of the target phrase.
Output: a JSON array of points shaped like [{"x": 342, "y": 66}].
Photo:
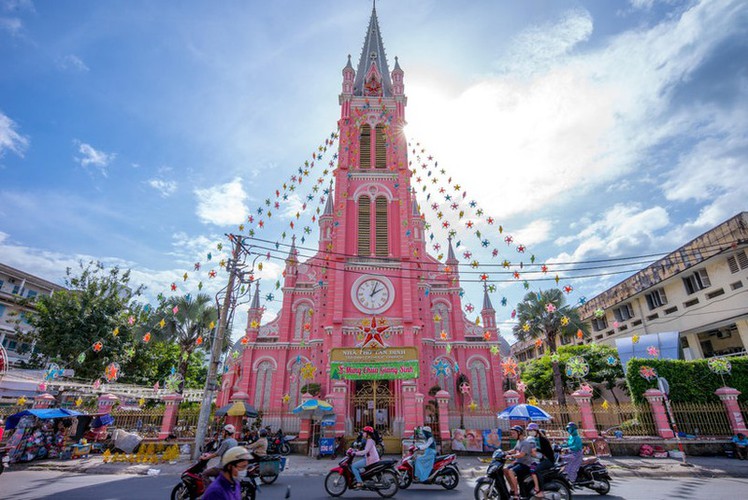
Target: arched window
[
  {"x": 447, "y": 381},
  {"x": 479, "y": 383},
  {"x": 263, "y": 384},
  {"x": 364, "y": 147},
  {"x": 441, "y": 319},
  {"x": 381, "y": 149},
  {"x": 303, "y": 319},
  {"x": 294, "y": 390},
  {"x": 382, "y": 246},
  {"x": 364, "y": 226}
]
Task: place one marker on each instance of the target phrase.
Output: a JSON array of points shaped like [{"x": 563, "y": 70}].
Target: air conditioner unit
[{"x": 724, "y": 334}]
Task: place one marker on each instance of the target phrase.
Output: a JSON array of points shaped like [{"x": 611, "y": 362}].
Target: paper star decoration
[
  {"x": 141, "y": 401},
  {"x": 78, "y": 401},
  {"x": 308, "y": 371},
  {"x": 494, "y": 350},
  {"x": 373, "y": 333},
  {"x": 635, "y": 339},
  {"x": 526, "y": 327},
  {"x": 599, "y": 313},
  {"x": 464, "y": 388},
  {"x": 647, "y": 372},
  {"x": 286, "y": 398},
  {"x": 115, "y": 332},
  {"x": 720, "y": 366},
  {"x": 653, "y": 351},
  {"x": 611, "y": 360},
  {"x": 510, "y": 367},
  {"x": 605, "y": 405},
  {"x": 550, "y": 308},
  {"x": 564, "y": 320},
  {"x": 147, "y": 337},
  {"x": 473, "y": 405},
  {"x": 98, "y": 346}
]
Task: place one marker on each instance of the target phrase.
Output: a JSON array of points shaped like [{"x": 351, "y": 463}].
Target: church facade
[{"x": 369, "y": 320}]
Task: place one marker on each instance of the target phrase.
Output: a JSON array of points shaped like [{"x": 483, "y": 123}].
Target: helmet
[
  {"x": 263, "y": 433},
  {"x": 229, "y": 428},
  {"x": 571, "y": 426},
  {"x": 426, "y": 428},
  {"x": 518, "y": 429},
  {"x": 533, "y": 427},
  {"x": 235, "y": 454},
  {"x": 369, "y": 429}
]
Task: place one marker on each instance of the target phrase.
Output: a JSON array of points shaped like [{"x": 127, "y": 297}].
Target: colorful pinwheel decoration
[
  {"x": 510, "y": 367},
  {"x": 112, "y": 372},
  {"x": 720, "y": 366},
  {"x": 308, "y": 371},
  {"x": 577, "y": 367},
  {"x": 98, "y": 346},
  {"x": 653, "y": 351},
  {"x": 441, "y": 367},
  {"x": 647, "y": 373},
  {"x": 174, "y": 382},
  {"x": 611, "y": 360}
]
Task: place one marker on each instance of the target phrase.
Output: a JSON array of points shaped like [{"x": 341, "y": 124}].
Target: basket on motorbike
[{"x": 273, "y": 464}]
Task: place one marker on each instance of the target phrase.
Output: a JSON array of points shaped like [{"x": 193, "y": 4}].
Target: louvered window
[
  {"x": 381, "y": 150},
  {"x": 739, "y": 261},
  {"x": 381, "y": 226},
  {"x": 733, "y": 263},
  {"x": 364, "y": 226},
  {"x": 696, "y": 281},
  {"x": 364, "y": 153}
]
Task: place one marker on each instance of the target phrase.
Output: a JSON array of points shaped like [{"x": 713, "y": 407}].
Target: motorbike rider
[
  {"x": 574, "y": 454},
  {"x": 370, "y": 454},
  {"x": 259, "y": 448},
  {"x": 233, "y": 465},
  {"x": 522, "y": 454},
  {"x": 425, "y": 462},
  {"x": 227, "y": 443},
  {"x": 544, "y": 455}
]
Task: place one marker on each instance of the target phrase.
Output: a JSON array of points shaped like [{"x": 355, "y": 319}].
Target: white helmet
[
  {"x": 426, "y": 428},
  {"x": 229, "y": 428},
  {"x": 235, "y": 454}
]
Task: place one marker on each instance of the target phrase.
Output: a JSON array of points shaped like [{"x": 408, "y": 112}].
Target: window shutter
[
  {"x": 704, "y": 278},
  {"x": 364, "y": 151},
  {"x": 381, "y": 150},
  {"x": 743, "y": 260},
  {"x": 381, "y": 230},
  {"x": 364, "y": 226},
  {"x": 733, "y": 264}
]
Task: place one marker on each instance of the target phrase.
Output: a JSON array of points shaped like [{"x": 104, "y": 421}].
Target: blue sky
[{"x": 137, "y": 133}]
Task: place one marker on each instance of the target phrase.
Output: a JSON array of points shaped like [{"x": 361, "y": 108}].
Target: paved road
[{"x": 23, "y": 485}]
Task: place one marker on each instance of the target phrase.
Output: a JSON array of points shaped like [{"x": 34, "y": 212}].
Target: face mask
[{"x": 241, "y": 474}]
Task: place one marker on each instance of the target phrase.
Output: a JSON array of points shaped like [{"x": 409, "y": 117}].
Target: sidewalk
[{"x": 470, "y": 466}]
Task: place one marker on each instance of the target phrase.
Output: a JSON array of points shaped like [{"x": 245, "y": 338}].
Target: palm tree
[
  {"x": 545, "y": 315},
  {"x": 192, "y": 322}
]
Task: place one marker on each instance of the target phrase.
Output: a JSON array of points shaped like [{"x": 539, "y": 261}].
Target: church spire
[
  {"x": 256, "y": 299},
  {"x": 373, "y": 56},
  {"x": 291, "y": 259},
  {"x": 486, "y": 299},
  {"x": 451, "y": 259},
  {"x": 328, "y": 205}
]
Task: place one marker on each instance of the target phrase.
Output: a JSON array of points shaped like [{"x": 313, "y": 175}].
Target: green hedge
[{"x": 690, "y": 381}]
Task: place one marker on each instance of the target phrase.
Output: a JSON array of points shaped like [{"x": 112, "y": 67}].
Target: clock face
[{"x": 373, "y": 294}]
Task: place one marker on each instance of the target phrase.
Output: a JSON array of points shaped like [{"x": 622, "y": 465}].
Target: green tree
[
  {"x": 189, "y": 326},
  {"x": 538, "y": 373},
  {"x": 545, "y": 315},
  {"x": 66, "y": 325},
  {"x": 153, "y": 362}
]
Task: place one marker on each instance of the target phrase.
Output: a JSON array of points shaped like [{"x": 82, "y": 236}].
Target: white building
[
  {"x": 14, "y": 285},
  {"x": 700, "y": 290}
]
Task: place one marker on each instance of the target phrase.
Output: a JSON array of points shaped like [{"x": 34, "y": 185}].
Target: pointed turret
[
  {"x": 398, "y": 87},
  {"x": 256, "y": 299},
  {"x": 254, "y": 315},
  {"x": 451, "y": 259},
  {"x": 348, "y": 76},
  {"x": 486, "y": 299},
  {"x": 414, "y": 206},
  {"x": 292, "y": 252},
  {"x": 328, "y": 205},
  {"x": 488, "y": 314},
  {"x": 373, "y": 74}
]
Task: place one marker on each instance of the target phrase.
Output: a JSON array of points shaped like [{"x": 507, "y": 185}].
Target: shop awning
[{"x": 44, "y": 414}]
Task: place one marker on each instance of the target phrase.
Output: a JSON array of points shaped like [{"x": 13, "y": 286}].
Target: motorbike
[
  {"x": 493, "y": 485},
  {"x": 192, "y": 484},
  {"x": 4, "y": 460},
  {"x": 379, "y": 477},
  {"x": 279, "y": 443},
  {"x": 594, "y": 475},
  {"x": 359, "y": 443},
  {"x": 444, "y": 471}
]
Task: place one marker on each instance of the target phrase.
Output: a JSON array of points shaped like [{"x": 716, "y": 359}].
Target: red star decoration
[
  {"x": 374, "y": 333},
  {"x": 544, "y": 268},
  {"x": 173, "y": 287},
  {"x": 484, "y": 277}
]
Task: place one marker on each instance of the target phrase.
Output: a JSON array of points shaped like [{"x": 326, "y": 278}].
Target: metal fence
[
  {"x": 186, "y": 423},
  {"x": 147, "y": 422},
  {"x": 283, "y": 419},
  {"x": 701, "y": 419},
  {"x": 630, "y": 418}
]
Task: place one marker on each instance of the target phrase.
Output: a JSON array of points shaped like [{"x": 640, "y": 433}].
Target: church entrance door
[{"x": 374, "y": 404}]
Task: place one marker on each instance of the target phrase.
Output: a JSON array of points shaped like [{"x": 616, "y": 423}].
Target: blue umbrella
[
  {"x": 313, "y": 408},
  {"x": 524, "y": 412}
]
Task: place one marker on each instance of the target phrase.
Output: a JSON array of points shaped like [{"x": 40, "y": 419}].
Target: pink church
[{"x": 370, "y": 316}]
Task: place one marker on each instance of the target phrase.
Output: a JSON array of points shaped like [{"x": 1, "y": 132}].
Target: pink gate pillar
[
  {"x": 729, "y": 397},
  {"x": 656, "y": 399},
  {"x": 338, "y": 398},
  {"x": 42, "y": 401},
  {"x": 305, "y": 431},
  {"x": 106, "y": 403},
  {"x": 236, "y": 420},
  {"x": 171, "y": 402},
  {"x": 442, "y": 399},
  {"x": 583, "y": 399},
  {"x": 410, "y": 413}
]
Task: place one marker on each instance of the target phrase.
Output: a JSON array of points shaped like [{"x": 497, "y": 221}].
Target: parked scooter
[
  {"x": 193, "y": 484},
  {"x": 493, "y": 486},
  {"x": 444, "y": 472},
  {"x": 379, "y": 477},
  {"x": 279, "y": 443}
]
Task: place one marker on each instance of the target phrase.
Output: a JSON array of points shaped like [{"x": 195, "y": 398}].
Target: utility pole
[{"x": 216, "y": 347}]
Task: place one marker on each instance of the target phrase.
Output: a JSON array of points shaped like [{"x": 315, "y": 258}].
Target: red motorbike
[
  {"x": 444, "y": 472},
  {"x": 379, "y": 477},
  {"x": 193, "y": 484}
]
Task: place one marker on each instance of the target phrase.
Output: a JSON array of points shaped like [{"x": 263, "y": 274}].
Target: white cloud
[
  {"x": 10, "y": 139},
  {"x": 94, "y": 158},
  {"x": 534, "y": 233},
  {"x": 164, "y": 187},
  {"x": 222, "y": 204},
  {"x": 72, "y": 62},
  {"x": 571, "y": 122},
  {"x": 12, "y": 25}
]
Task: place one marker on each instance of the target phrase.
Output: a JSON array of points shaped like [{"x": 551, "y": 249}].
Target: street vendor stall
[{"x": 40, "y": 433}]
